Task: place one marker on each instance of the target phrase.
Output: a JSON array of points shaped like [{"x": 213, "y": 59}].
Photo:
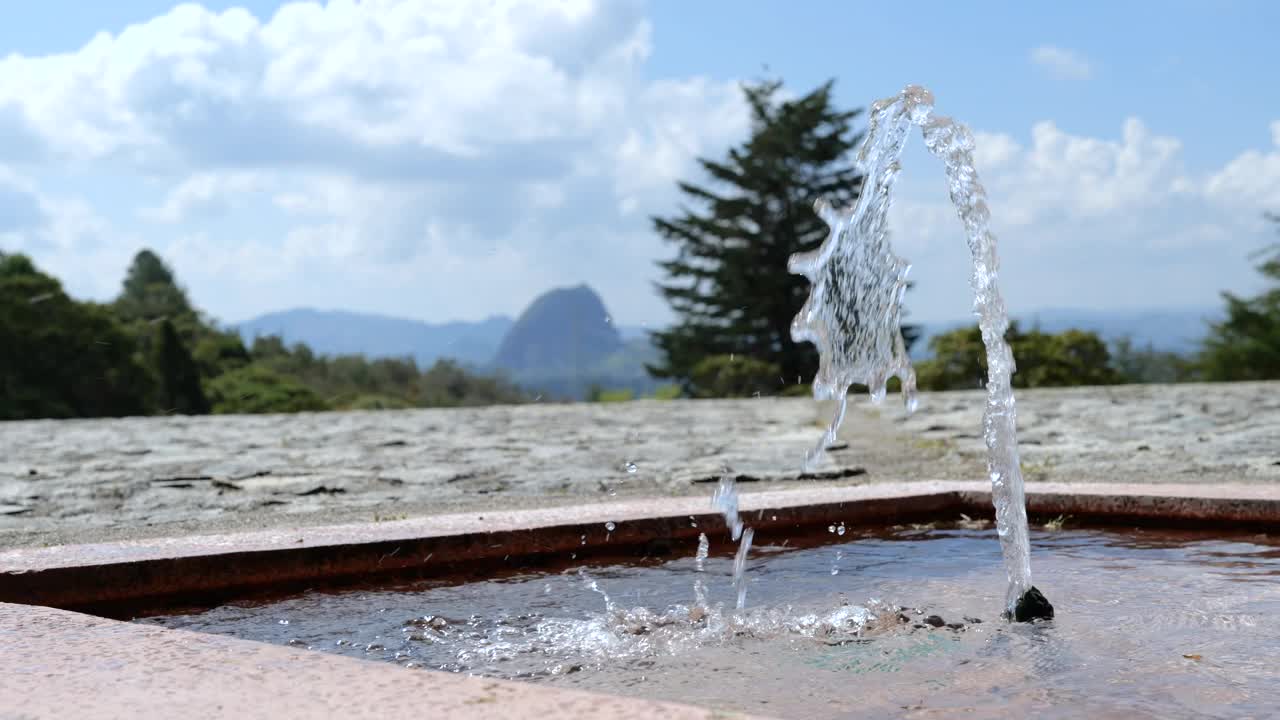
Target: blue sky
[{"x": 441, "y": 159}]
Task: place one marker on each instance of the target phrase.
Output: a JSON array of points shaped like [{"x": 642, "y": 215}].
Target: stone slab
[
  {"x": 67, "y": 482},
  {"x": 56, "y": 664}
]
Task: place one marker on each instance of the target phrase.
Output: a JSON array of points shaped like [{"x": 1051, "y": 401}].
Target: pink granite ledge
[{"x": 57, "y": 664}]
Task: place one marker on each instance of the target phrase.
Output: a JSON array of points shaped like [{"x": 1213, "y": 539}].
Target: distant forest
[{"x": 151, "y": 352}]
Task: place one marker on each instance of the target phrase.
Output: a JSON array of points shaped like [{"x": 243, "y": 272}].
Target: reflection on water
[{"x": 1149, "y": 625}]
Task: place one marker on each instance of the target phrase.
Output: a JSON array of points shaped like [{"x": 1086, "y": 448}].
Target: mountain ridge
[
  {"x": 476, "y": 344},
  {"x": 344, "y": 332}
]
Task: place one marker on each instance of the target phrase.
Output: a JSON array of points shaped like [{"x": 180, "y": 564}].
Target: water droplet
[
  {"x": 630, "y": 467},
  {"x": 584, "y": 539},
  {"x": 831, "y": 528},
  {"x": 284, "y": 622},
  {"x": 835, "y": 571},
  {"x": 840, "y": 530},
  {"x": 610, "y": 526}
]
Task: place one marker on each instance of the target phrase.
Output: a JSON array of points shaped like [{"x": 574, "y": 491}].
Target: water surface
[{"x": 1150, "y": 624}]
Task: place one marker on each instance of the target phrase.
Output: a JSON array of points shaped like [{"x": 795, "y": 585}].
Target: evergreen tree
[
  {"x": 150, "y": 293},
  {"x": 180, "y": 390},
  {"x": 1246, "y": 344},
  {"x": 60, "y": 357},
  {"x": 728, "y": 284}
]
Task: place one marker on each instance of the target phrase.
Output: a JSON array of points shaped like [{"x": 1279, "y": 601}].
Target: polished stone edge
[
  {"x": 99, "y": 575},
  {"x": 60, "y": 664}
]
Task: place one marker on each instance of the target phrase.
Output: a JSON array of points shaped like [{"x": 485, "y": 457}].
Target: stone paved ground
[{"x": 88, "y": 480}]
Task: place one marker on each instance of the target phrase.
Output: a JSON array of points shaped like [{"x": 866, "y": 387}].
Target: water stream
[{"x": 854, "y": 308}]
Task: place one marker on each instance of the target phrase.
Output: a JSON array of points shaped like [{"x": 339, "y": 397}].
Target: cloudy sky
[{"x": 447, "y": 159}]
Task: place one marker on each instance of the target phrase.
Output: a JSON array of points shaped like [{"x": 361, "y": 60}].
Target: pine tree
[
  {"x": 728, "y": 284},
  {"x": 60, "y": 357},
  {"x": 151, "y": 293},
  {"x": 180, "y": 390}
]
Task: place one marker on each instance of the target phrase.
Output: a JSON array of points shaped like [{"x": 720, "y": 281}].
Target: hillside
[
  {"x": 338, "y": 332},
  {"x": 565, "y": 343},
  {"x": 566, "y": 330}
]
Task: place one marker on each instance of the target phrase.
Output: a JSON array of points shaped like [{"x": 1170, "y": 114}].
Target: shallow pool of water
[{"x": 899, "y": 623}]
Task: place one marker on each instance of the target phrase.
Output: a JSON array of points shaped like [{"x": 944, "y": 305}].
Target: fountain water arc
[{"x": 854, "y": 308}]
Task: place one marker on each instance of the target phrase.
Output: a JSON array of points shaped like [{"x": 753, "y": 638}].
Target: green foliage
[
  {"x": 447, "y": 384},
  {"x": 1246, "y": 344},
  {"x": 601, "y": 395},
  {"x": 668, "y": 392},
  {"x": 1148, "y": 365},
  {"x": 59, "y": 357},
  {"x": 344, "y": 379},
  {"x": 150, "y": 293},
  {"x": 16, "y": 265},
  {"x": 728, "y": 284},
  {"x": 218, "y": 352},
  {"x": 179, "y": 377},
  {"x": 1069, "y": 358},
  {"x": 257, "y": 389},
  {"x": 376, "y": 402},
  {"x": 730, "y": 376},
  {"x": 959, "y": 361}
]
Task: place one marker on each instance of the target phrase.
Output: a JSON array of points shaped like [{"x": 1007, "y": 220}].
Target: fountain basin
[
  {"x": 872, "y": 623},
  {"x": 51, "y": 656}
]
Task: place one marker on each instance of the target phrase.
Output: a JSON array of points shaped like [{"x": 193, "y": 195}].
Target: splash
[
  {"x": 620, "y": 634},
  {"x": 854, "y": 308},
  {"x": 700, "y": 567},
  {"x": 725, "y": 500}
]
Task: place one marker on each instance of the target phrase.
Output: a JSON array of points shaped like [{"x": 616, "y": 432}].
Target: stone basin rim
[{"x": 99, "y": 576}]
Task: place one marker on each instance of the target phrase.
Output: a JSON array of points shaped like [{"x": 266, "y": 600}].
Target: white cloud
[
  {"x": 447, "y": 159},
  {"x": 1095, "y": 222},
  {"x": 1253, "y": 178},
  {"x": 1062, "y": 62},
  {"x": 206, "y": 194},
  {"x": 369, "y": 133},
  {"x": 1081, "y": 176}
]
